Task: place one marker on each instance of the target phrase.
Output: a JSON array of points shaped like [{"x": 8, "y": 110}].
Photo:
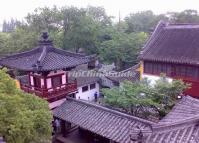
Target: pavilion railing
[{"x": 51, "y": 93}]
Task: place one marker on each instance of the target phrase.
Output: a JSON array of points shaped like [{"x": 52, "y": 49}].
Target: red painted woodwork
[
  {"x": 194, "y": 90},
  {"x": 187, "y": 73},
  {"x": 51, "y": 94}
]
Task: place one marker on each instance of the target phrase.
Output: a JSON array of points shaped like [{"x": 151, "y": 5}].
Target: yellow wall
[
  {"x": 17, "y": 83},
  {"x": 141, "y": 69}
]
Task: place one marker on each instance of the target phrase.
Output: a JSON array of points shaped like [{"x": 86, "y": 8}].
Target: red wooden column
[
  {"x": 45, "y": 86},
  {"x": 66, "y": 76},
  {"x": 29, "y": 82},
  {"x": 45, "y": 91}
]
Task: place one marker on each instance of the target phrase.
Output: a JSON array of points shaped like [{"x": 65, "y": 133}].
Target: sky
[{"x": 20, "y": 8}]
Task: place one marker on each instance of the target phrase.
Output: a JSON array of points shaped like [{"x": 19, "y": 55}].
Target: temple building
[
  {"x": 173, "y": 49},
  {"x": 98, "y": 123},
  {"x": 131, "y": 74},
  {"x": 46, "y": 70}
]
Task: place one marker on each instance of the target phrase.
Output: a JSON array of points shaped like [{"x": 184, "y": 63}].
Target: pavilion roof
[
  {"x": 175, "y": 43},
  {"x": 45, "y": 57}
]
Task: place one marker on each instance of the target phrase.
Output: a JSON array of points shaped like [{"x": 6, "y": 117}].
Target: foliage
[
  {"x": 44, "y": 19},
  {"x": 83, "y": 36},
  {"x": 10, "y": 26},
  {"x": 4, "y": 37},
  {"x": 186, "y": 16},
  {"x": 143, "y": 21},
  {"x": 142, "y": 98},
  {"x": 23, "y": 117},
  {"x": 122, "y": 48}
]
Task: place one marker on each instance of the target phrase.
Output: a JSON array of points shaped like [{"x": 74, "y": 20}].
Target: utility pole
[{"x": 119, "y": 22}]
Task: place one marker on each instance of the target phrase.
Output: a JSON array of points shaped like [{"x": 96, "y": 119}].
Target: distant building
[
  {"x": 87, "y": 87},
  {"x": 130, "y": 74},
  {"x": 173, "y": 49}
]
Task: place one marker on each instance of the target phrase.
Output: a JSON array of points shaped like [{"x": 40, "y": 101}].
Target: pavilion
[{"x": 46, "y": 69}]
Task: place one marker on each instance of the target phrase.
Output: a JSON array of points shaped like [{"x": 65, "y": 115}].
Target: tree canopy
[
  {"x": 143, "y": 99},
  {"x": 23, "y": 117}
]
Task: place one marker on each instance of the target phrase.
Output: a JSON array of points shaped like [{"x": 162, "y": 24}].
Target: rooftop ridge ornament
[
  {"x": 45, "y": 35},
  {"x": 44, "y": 40}
]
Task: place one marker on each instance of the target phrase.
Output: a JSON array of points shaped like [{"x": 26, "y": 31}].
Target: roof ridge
[
  {"x": 22, "y": 53},
  {"x": 188, "y": 121},
  {"x": 155, "y": 33},
  {"x": 183, "y": 24},
  {"x": 68, "y": 53},
  {"x": 112, "y": 111},
  {"x": 184, "y": 99},
  {"x": 42, "y": 56}
]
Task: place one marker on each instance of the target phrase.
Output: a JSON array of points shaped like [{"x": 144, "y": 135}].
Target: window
[
  {"x": 56, "y": 81},
  {"x": 85, "y": 88},
  {"x": 147, "y": 67},
  {"x": 172, "y": 70},
  {"x": 92, "y": 86},
  {"x": 37, "y": 82}
]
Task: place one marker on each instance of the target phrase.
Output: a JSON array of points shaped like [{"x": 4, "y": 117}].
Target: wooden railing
[{"x": 51, "y": 94}]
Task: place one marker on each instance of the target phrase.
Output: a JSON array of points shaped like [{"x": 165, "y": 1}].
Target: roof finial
[
  {"x": 44, "y": 40},
  {"x": 45, "y": 35}
]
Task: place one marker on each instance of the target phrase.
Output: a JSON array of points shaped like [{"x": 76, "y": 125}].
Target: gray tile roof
[
  {"x": 176, "y": 43},
  {"x": 81, "y": 81},
  {"x": 100, "y": 120},
  {"x": 45, "y": 57},
  {"x": 133, "y": 75},
  {"x": 179, "y": 126}
]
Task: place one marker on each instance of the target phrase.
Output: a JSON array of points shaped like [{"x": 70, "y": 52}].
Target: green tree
[
  {"x": 99, "y": 15},
  {"x": 21, "y": 40},
  {"x": 186, "y": 16},
  {"x": 24, "y": 118},
  {"x": 122, "y": 48},
  {"x": 82, "y": 28},
  {"x": 44, "y": 19},
  {"x": 142, "y": 99},
  {"x": 4, "y": 37},
  {"x": 143, "y": 21}
]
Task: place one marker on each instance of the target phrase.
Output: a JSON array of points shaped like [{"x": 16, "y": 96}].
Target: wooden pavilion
[{"x": 46, "y": 69}]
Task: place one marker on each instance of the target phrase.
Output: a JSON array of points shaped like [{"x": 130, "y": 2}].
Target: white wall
[
  {"x": 153, "y": 78},
  {"x": 86, "y": 94}
]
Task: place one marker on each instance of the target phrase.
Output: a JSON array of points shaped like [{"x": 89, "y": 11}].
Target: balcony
[{"x": 51, "y": 94}]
